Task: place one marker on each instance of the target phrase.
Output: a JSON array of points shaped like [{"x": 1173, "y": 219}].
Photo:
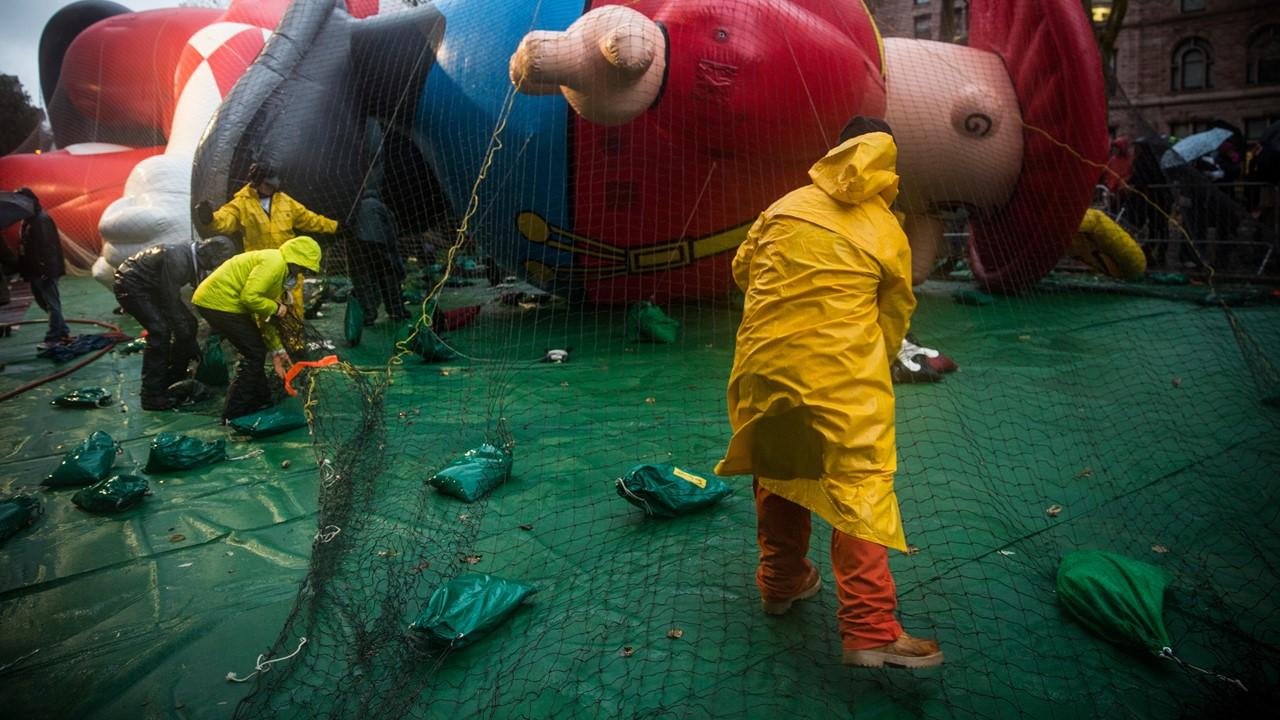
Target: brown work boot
[
  {"x": 782, "y": 605},
  {"x": 906, "y": 652}
]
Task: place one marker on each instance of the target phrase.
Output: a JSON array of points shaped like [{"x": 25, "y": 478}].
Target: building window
[
  {"x": 1189, "y": 127},
  {"x": 1255, "y": 126},
  {"x": 1264, "y": 56},
  {"x": 962, "y": 19},
  {"x": 1193, "y": 5},
  {"x": 923, "y": 26},
  {"x": 1192, "y": 66}
]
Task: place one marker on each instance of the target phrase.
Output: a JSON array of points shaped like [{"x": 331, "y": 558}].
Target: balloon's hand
[{"x": 609, "y": 64}]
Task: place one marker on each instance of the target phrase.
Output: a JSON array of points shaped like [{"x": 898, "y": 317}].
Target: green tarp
[
  {"x": 172, "y": 451},
  {"x": 86, "y": 463},
  {"x": 1118, "y": 598},
  {"x": 466, "y": 607},
  {"x": 668, "y": 491},
  {"x": 17, "y": 513},
  {"x": 475, "y": 474},
  {"x": 85, "y": 397},
  {"x": 115, "y": 494}
]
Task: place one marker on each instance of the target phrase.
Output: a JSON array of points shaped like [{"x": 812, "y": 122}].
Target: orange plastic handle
[{"x": 325, "y": 361}]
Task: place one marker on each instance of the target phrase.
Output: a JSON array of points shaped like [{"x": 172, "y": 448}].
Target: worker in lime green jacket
[
  {"x": 263, "y": 216},
  {"x": 827, "y": 275},
  {"x": 240, "y": 301}
]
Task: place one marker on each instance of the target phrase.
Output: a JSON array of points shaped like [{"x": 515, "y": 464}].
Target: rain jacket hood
[
  {"x": 303, "y": 252},
  {"x": 859, "y": 169}
]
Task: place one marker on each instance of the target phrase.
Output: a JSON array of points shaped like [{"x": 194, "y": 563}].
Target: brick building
[
  {"x": 1180, "y": 64},
  {"x": 1184, "y": 64}
]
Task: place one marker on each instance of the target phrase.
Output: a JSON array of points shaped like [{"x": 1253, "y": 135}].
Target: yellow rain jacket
[
  {"x": 827, "y": 276},
  {"x": 244, "y": 214},
  {"x": 253, "y": 283}
]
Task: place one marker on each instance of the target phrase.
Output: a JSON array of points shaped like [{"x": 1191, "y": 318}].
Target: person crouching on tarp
[
  {"x": 148, "y": 286},
  {"x": 264, "y": 216},
  {"x": 239, "y": 301},
  {"x": 827, "y": 276}
]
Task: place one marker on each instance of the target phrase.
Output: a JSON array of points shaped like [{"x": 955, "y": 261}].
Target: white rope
[
  {"x": 251, "y": 454},
  {"x": 1168, "y": 653},
  {"x": 328, "y": 533},
  {"x": 264, "y": 665}
]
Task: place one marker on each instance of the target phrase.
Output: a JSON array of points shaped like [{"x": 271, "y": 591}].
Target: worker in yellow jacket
[
  {"x": 263, "y": 216},
  {"x": 827, "y": 276},
  {"x": 240, "y": 300}
]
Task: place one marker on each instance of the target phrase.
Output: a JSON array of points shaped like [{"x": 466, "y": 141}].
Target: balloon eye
[{"x": 721, "y": 35}]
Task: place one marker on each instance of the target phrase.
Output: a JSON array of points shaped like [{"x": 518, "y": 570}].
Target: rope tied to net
[
  {"x": 264, "y": 665},
  {"x": 327, "y": 533},
  {"x": 1167, "y": 653}
]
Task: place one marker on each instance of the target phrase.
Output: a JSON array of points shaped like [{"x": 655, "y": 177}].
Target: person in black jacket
[
  {"x": 40, "y": 263},
  {"x": 147, "y": 286}
]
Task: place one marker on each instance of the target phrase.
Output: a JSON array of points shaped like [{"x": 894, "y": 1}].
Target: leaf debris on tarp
[
  {"x": 1053, "y": 510},
  {"x": 675, "y": 633}
]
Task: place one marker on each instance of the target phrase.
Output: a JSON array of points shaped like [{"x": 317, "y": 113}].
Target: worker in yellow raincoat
[
  {"x": 264, "y": 217},
  {"x": 827, "y": 276},
  {"x": 240, "y": 301}
]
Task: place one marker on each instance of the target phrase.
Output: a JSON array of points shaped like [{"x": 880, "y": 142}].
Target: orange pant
[{"x": 864, "y": 585}]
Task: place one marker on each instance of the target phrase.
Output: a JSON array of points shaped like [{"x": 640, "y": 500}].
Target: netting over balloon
[{"x": 539, "y": 203}]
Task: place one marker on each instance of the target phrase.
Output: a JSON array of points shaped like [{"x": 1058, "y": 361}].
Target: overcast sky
[{"x": 20, "y": 36}]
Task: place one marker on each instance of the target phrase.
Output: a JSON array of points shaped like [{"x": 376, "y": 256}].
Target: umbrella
[
  {"x": 1194, "y": 146},
  {"x": 14, "y": 207}
]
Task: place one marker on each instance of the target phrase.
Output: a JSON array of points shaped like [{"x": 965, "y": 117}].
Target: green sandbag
[
  {"x": 85, "y": 397},
  {"x": 17, "y": 513},
  {"x": 212, "y": 369},
  {"x": 473, "y": 475},
  {"x": 116, "y": 493},
  {"x": 353, "y": 323},
  {"x": 135, "y": 345},
  {"x": 86, "y": 463},
  {"x": 286, "y": 416},
  {"x": 668, "y": 491},
  {"x": 425, "y": 342},
  {"x": 466, "y": 607},
  {"x": 172, "y": 451},
  {"x": 1118, "y": 598},
  {"x": 646, "y": 322}
]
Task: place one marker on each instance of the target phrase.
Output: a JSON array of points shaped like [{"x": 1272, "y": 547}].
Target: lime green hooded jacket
[{"x": 252, "y": 283}]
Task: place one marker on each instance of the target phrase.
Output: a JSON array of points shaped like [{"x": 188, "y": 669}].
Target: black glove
[{"x": 204, "y": 212}]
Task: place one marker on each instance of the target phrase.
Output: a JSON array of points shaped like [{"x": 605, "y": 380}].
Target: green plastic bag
[
  {"x": 286, "y": 416},
  {"x": 646, "y": 322},
  {"x": 171, "y": 452},
  {"x": 426, "y": 343},
  {"x": 85, "y": 397},
  {"x": 1118, "y": 598},
  {"x": 475, "y": 474},
  {"x": 212, "y": 369},
  {"x": 466, "y": 607},
  {"x": 353, "y": 323},
  {"x": 668, "y": 491},
  {"x": 86, "y": 463},
  {"x": 116, "y": 493},
  {"x": 17, "y": 513}
]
